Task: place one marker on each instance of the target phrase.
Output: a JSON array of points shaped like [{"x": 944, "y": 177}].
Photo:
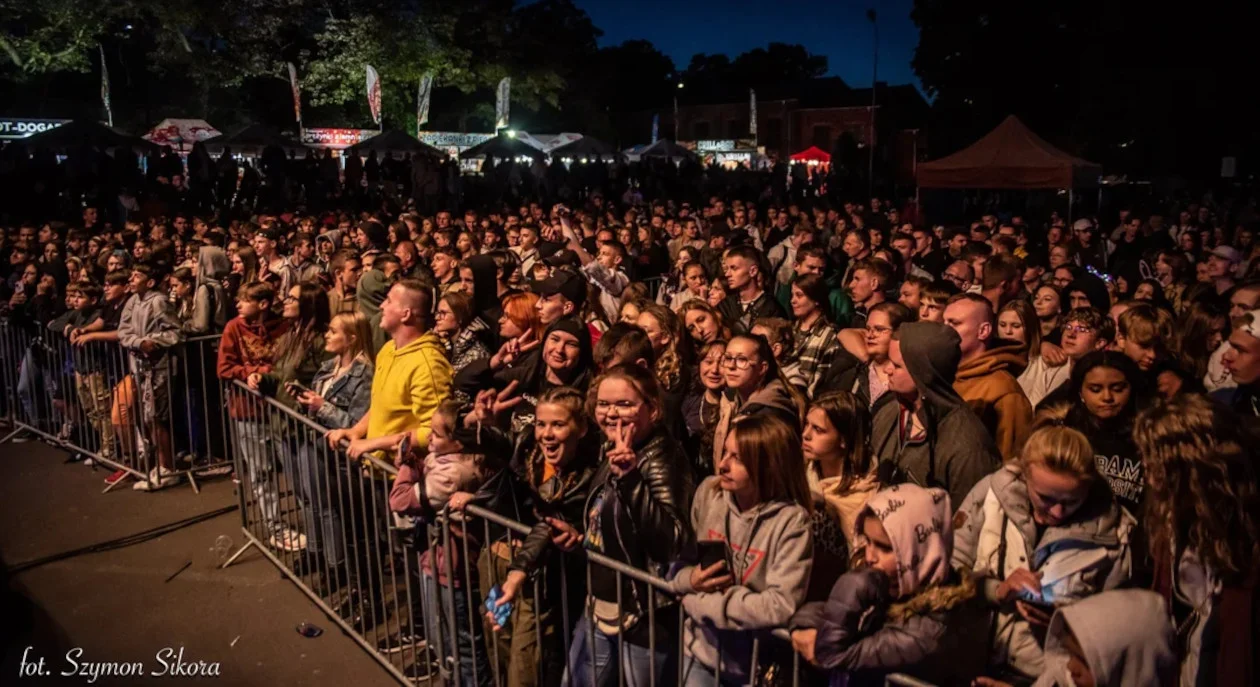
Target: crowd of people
[{"x": 1007, "y": 451}]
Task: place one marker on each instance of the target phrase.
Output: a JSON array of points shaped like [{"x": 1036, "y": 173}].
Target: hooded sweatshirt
[
  {"x": 371, "y": 292},
  {"x": 1126, "y": 638},
  {"x": 210, "y": 301},
  {"x": 774, "y": 397},
  {"x": 771, "y": 549},
  {"x": 924, "y": 632},
  {"x": 409, "y": 384},
  {"x": 486, "y": 292},
  {"x": 953, "y": 450},
  {"x": 988, "y": 385},
  {"x": 247, "y": 348},
  {"x": 1090, "y": 553}
]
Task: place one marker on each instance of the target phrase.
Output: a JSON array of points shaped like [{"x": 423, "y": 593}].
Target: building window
[
  {"x": 700, "y": 131},
  {"x": 822, "y": 137},
  {"x": 773, "y": 137}
]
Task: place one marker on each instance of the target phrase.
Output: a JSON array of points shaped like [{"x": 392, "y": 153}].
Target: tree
[
  {"x": 777, "y": 63},
  {"x": 714, "y": 77}
]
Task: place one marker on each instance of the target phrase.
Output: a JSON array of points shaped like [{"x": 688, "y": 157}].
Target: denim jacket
[{"x": 348, "y": 398}]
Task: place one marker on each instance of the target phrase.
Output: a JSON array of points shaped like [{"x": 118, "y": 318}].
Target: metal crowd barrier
[
  {"x": 323, "y": 520},
  {"x": 122, "y": 409}
]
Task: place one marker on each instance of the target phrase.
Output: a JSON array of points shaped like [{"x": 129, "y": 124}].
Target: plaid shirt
[{"x": 813, "y": 351}]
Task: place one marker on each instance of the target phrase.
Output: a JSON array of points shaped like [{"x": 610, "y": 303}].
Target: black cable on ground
[{"x": 122, "y": 542}]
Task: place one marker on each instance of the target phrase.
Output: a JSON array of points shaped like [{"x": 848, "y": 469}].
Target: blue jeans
[
  {"x": 471, "y": 647},
  {"x": 258, "y": 455},
  {"x": 636, "y": 661},
  {"x": 308, "y": 468}
]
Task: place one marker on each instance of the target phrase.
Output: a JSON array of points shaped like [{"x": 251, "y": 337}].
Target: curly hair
[
  {"x": 1202, "y": 484},
  {"x": 677, "y": 353}
]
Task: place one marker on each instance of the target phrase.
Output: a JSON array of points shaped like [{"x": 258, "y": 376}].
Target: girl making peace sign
[{"x": 636, "y": 514}]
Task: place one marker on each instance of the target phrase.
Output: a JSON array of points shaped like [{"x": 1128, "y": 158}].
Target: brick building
[{"x": 791, "y": 118}]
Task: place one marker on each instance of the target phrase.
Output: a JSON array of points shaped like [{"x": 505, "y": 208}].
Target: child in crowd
[
  {"x": 448, "y": 476},
  {"x": 90, "y": 384},
  {"x": 904, "y": 611},
  {"x": 148, "y": 329}
]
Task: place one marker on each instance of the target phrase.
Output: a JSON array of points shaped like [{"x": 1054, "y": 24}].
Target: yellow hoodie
[{"x": 409, "y": 384}]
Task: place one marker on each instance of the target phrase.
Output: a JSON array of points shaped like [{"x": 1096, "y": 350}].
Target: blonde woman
[
  {"x": 1042, "y": 532},
  {"x": 340, "y": 394}
]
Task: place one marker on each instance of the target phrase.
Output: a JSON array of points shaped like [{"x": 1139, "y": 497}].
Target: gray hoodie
[
  {"x": 957, "y": 451},
  {"x": 148, "y": 317},
  {"x": 772, "y": 550},
  {"x": 210, "y": 301},
  {"x": 1125, "y": 634},
  {"x": 774, "y": 397}
]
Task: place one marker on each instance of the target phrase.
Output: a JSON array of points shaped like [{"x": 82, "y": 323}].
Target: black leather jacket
[
  {"x": 568, "y": 507},
  {"x": 652, "y": 517}
]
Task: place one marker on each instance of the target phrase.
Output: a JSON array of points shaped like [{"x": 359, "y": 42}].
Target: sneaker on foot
[
  {"x": 116, "y": 477},
  {"x": 159, "y": 478},
  {"x": 406, "y": 641}
]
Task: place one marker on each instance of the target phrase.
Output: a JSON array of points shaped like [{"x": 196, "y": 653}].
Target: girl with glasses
[
  {"x": 754, "y": 384},
  {"x": 635, "y": 514}
]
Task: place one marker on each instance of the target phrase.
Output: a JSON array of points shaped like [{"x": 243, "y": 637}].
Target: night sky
[{"x": 835, "y": 28}]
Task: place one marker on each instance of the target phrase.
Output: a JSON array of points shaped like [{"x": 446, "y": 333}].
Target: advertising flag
[
  {"x": 501, "y": 104},
  {"x": 374, "y": 94},
  {"x": 422, "y": 100},
  {"x": 297, "y": 93}
]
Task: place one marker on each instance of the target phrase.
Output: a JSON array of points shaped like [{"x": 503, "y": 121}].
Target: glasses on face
[
  {"x": 876, "y": 331},
  {"x": 1077, "y": 328},
  {"x": 626, "y": 406},
  {"x": 1061, "y": 282},
  {"x": 954, "y": 278},
  {"x": 739, "y": 362},
  {"x": 445, "y": 313}
]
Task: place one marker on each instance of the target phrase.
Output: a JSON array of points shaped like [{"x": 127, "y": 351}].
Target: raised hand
[
  {"x": 513, "y": 349},
  {"x": 489, "y": 404},
  {"x": 621, "y": 457}
]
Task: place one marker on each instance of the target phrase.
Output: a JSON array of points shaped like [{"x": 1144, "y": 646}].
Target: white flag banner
[
  {"x": 297, "y": 93},
  {"x": 422, "y": 100},
  {"x": 752, "y": 112},
  {"x": 374, "y": 94},
  {"x": 109, "y": 110},
  {"x": 501, "y": 113}
]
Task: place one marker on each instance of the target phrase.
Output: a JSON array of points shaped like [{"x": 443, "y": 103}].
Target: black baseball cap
[{"x": 571, "y": 285}]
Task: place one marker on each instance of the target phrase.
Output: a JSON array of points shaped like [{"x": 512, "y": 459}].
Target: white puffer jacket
[{"x": 994, "y": 534}]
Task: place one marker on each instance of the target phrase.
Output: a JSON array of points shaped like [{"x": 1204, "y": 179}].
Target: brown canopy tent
[{"x": 1009, "y": 157}]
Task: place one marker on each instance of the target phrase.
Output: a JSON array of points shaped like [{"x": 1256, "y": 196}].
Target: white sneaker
[{"x": 159, "y": 478}]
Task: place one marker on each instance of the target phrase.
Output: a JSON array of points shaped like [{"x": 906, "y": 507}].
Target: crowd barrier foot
[
  {"x": 232, "y": 559},
  {"x": 10, "y": 435}
]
